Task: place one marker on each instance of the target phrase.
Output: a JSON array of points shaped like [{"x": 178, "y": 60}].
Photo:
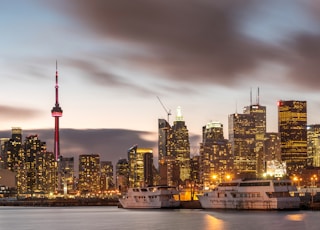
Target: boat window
[
  {"x": 226, "y": 184},
  {"x": 282, "y": 183},
  {"x": 144, "y": 190},
  {"x": 249, "y": 184}
]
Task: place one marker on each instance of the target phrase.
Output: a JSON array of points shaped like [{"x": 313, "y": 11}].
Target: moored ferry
[
  {"x": 151, "y": 197},
  {"x": 251, "y": 194}
]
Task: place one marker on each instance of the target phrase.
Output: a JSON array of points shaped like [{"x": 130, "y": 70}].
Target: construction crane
[{"x": 165, "y": 109}]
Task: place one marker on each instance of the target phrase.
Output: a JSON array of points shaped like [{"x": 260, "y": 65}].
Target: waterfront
[{"x": 110, "y": 217}]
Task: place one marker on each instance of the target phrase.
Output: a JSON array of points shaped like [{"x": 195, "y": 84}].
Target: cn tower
[{"x": 56, "y": 112}]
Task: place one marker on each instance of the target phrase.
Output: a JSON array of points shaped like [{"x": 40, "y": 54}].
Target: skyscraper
[
  {"x": 242, "y": 139},
  {"x": 215, "y": 154},
  {"x": 56, "y": 112},
  {"x": 34, "y": 150},
  {"x": 313, "y": 134},
  {"x": 140, "y": 162},
  {"x": 122, "y": 175},
  {"x": 258, "y": 113},
  {"x": 164, "y": 152},
  {"x": 106, "y": 177},
  {"x": 89, "y": 173},
  {"x": 180, "y": 146},
  {"x": 292, "y": 124},
  {"x": 13, "y": 152},
  {"x": 67, "y": 182}
]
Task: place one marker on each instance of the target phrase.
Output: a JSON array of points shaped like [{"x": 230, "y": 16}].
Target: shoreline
[{"x": 195, "y": 204}]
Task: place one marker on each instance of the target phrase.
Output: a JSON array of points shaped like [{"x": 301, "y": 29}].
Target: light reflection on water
[
  {"x": 100, "y": 218},
  {"x": 295, "y": 217},
  {"x": 212, "y": 222}
]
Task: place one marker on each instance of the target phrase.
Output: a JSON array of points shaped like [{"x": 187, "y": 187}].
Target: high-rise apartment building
[
  {"x": 292, "y": 124},
  {"x": 89, "y": 174},
  {"x": 2, "y": 152},
  {"x": 313, "y": 137},
  {"x": 13, "y": 153},
  {"x": 106, "y": 176},
  {"x": 39, "y": 166},
  {"x": 67, "y": 175},
  {"x": 122, "y": 175},
  {"x": 215, "y": 154},
  {"x": 140, "y": 162}
]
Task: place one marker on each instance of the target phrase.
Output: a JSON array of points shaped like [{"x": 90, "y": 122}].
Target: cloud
[
  {"x": 195, "y": 41},
  {"x": 18, "y": 113}
]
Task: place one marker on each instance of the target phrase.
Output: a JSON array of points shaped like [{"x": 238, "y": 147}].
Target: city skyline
[{"x": 114, "y": 60}]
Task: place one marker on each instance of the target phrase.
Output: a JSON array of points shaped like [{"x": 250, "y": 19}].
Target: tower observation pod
[{"x": 56, "y": 112}]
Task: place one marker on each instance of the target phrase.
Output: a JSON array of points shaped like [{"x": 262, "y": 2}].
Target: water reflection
[
  {"x": 295, "y": 217},
  {"x": 212, "y": 222}
]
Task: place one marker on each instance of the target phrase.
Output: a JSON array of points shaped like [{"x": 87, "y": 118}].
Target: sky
[{"x": 115, "y": 58}]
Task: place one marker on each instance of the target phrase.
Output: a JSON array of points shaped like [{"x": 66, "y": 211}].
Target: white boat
[
  {"x": 151, "y": 197},
  {"x": 251, "y": 194}
]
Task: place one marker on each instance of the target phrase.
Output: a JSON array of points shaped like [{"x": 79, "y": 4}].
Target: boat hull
[
  {"x": 251, "y": 194},
  {"x": 273, "y": 204},
  {"x": 151, "y": 198}
]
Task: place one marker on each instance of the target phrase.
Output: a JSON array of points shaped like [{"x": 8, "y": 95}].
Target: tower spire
[{"x": 56, "y": 112}]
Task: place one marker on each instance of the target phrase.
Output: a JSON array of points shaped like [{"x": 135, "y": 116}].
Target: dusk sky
[{"x": 116, "y": 57}]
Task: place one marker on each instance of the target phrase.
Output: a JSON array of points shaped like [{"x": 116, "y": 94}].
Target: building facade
[
  {"x": 122, "y": 175},
  {"x": 106, "y": 177},
  {"x": 292, "y": 124},
  {"x": 140, "y": 162},
  {"x": 215, "y": 155},
  {"x": 313, "y": 137},
  {"x": 89, "y": 174}
]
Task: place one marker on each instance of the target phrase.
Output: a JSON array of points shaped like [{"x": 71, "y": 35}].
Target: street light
[
  {"x": 228, "y": 177},
  {"x": 313, "y": 179}
]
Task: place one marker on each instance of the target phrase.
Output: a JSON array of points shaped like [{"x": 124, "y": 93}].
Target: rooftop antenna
[
  {"x": 250, "y": 95},
  {"x": 165, "y": 109},
  {"x": 258, "y": 99},
  {"x": 236, "y": 106}
]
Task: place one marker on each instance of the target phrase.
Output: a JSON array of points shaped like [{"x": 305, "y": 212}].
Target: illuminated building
[
  {"x": 106, "y": 176},
  {"x": 89, "y": 173},
  {"x": 258, "y": 113},
  {"x": 247, "y": 133},
  {"x": 140, "y": 162},
  {"x": 272, "y": 147},
  {"x": 67, "y": 174},
  {"x": 174, "y": 151},
  {"x": 195, "y": 170},
  {"x": 169, "y": 171},
  {"x": 122, "y": 175},
  {"x": 313, "y": 137},
  {"x": 242, "y": 139},
  {"x": 164, "y": 152},
  {"x": 180, "y": 147},
  {"x": 164, "y": 132},
  {"x": 13, "y": 153},
  {"x": 2, "y": 152},
  {"x": 215, "y": 154},
  {"x": 46, "y": 179},
  {"x": 39, "y": 166},
  {"x": 292, "y": 124}
]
